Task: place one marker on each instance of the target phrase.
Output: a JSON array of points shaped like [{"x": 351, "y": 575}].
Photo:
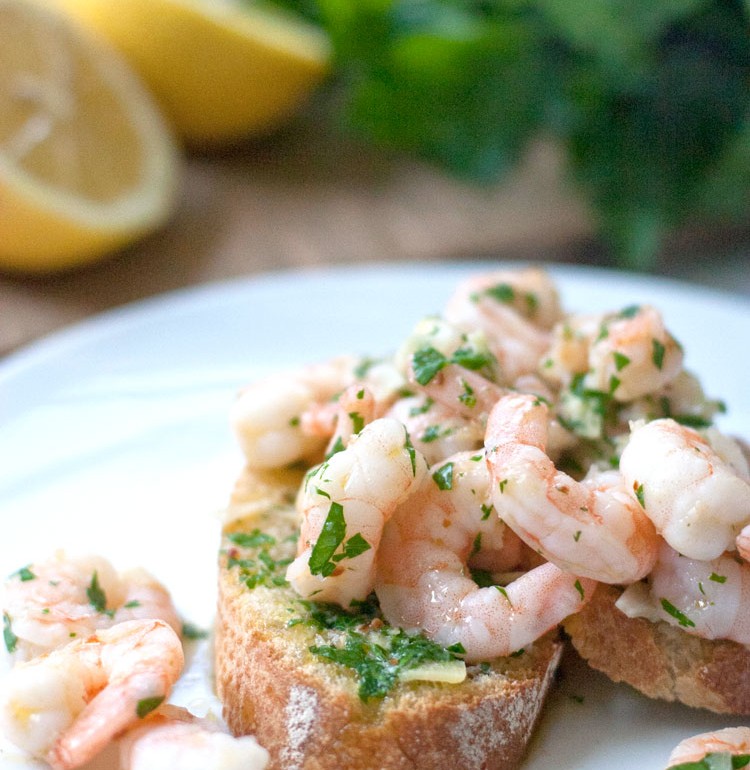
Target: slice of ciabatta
[
  {"x": 661, "y": 660},
  {"x": 307, "y": 710}
]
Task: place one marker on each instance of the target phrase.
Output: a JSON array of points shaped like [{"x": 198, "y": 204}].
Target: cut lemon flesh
[
  {"x": 221, "y": 70},
  {"x": 87, "y": 163}
]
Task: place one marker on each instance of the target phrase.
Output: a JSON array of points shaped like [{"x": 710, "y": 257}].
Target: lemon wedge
[
  {"x": 221, "y": 70},
  {"x": 87, "y": 163}
]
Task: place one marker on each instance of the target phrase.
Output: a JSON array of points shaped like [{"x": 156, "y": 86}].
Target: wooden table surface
[{"x": 308, "y": 197}]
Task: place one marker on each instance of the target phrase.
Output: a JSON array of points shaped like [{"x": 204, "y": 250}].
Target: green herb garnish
[
  {"x": 147, "y": 705},
  {"x": 679, "y": 616},
  {"x": 657, "y": 353},
  {"x": 95, "y": 594},
  {"x": 716, "y": 761},
  {"x": 443, "y": 476},
  {"x": 10, "y": 639}
]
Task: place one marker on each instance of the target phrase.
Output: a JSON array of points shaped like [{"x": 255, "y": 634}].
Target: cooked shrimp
[
  {"x": 594, "y": 527},
  {"x": 626, "y": 355},
  {"x": 698, "y": 501},
  {"x": 436, "y": 430},
  {"x": 355, "y": 408},
  {"x": 267, "y": 416},
  {"x": 710, "y": 598},
  {"x": 461, "y": 391},
  {"x": 730, "y": 740},
  {"x": 48, "y": 603},
  {"x": 173, "y": 739},
  {"x": 515, "y": 310},
  {"x": 422, "y": 563},
  {"x": 67, "y": 705},
  {"x": 344, "y": 504}
]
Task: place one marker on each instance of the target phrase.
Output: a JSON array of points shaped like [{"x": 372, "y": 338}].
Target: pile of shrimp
[
  {"x": 95, "y": 655},
  {"x": 546, "y": 450}
]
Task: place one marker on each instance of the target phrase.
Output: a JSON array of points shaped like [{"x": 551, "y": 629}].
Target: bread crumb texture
[{"x": 660, "y": 660}]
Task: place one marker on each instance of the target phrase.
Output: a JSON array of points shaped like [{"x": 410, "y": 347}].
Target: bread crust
[
  {"x": 661, "y": 660},
  {"x": 307, "y": 712}
]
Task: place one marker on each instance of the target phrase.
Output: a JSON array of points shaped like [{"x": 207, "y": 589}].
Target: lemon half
[
  {"x": 87, "y": 163},
  {"x": 221, "y": 70}
]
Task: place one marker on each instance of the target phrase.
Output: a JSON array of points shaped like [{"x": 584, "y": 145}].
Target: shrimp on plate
[
  {"x": 710, "y": 599},
  {"x": 594, "y": 527},
  {"x": 173, "y": 739},
  {"x": 344, "y": 504},
  {"x": 695, "y": 488},
  {"x": 731, "y": 741},
  {"x": 515, "y": 310},
  {"x": 65, "y": 706},
  {"x": 422, "y": 582},
  {"x": 48, "y": 603},
  {"x": 626, "y": 355}
]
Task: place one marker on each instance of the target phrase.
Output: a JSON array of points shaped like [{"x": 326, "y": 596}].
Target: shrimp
[
  {"x": 595, "y": 527},
  {"x": 436, "y": 430},
  {"x": 698, "y": 501},
  {"x": 355, "y": 408},
  {"x": 730, "y": 741},
  {"x": 175, "y": 739},
  {"x": 344, "y": 504},
  {"x": 710, "y": 599},
  {"x": 625, "y": 355},
  {"x": 48, "y": 603},
  {"x": 461, "y": 391},
  {"x": 267, "y": 416},
  {"x": 704, "y": 598},
  {"x": 422, "y": 583},
  {"x": 515, "y": 310},
  {"x": 67, "y": 705}
]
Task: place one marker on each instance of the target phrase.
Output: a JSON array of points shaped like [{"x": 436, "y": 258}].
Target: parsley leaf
[
  {"x": 10, "y": 639},
  {"x": 330, "y": 538},
  {"x": 95, "y": 594}
]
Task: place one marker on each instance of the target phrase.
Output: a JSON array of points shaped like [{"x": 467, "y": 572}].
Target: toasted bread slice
[
  {"x": 661, "y": 660},
  {"x": 308, "y": 711}
]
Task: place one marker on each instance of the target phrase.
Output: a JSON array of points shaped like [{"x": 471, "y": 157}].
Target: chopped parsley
[
  {"x": 621, "y": 360},
  {"x": 264, "y": 567},
  {"x": 639, "y": 494},
  {"x": 657, "y": 353},
  {"x": 254, "y": 539},
  {"x": 325, "y": 555},
  {"x": 443, "y": 476},
  {"x": 96, "y": 595},
  {"x": 427, "y": 362},
  {"x": 10, "y": 639},
  {"x": 415, "y": 411},
  {"x": 377, "y": 658},
  {"x": 409, "y": 447},
  {"x": 193, "y": 632},
  {"x": 577, "y": 585},
  {"x": 24, "y": 574},
  {"x": 338, "y": 446},
  {"x": 467, "y": 397},
  {"x": 716, "y": 761},
  {"x": 358, "y": 421},
  {"x": 147, "y": 705},
  {"x": 679, "y": 616},
  {"x": 631, "y": 311},
  {"x": 717, "y": 578},
  {"x": 502, "y": 292}
]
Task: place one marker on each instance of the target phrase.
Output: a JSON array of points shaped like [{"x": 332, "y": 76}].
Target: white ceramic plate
[{"x": 114, "y": 439}]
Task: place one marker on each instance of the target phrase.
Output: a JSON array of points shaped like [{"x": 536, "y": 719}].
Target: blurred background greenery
[{"x": 648, "y": 100}]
